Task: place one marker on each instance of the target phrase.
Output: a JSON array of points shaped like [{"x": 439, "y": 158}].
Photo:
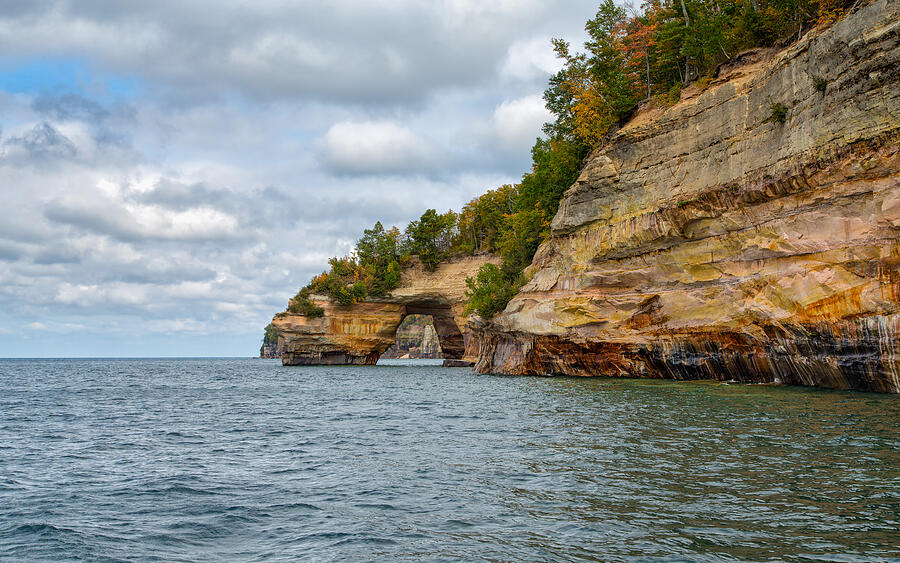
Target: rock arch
[{"x": 358, "y": 334}]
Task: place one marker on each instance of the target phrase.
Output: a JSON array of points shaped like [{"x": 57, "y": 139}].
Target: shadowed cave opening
[
  {"x": 450, "y": 341},
  {"x": 416, "y": 338}
]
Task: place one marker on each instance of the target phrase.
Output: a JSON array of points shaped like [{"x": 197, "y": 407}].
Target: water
[{"x": 197, "y": 460}]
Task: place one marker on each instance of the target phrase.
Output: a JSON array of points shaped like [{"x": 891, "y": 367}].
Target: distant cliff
[
  {"x": 272, "y": 345},
  {"x": 751, "y": 232},
  {"x": 360, "y": 333},
  {"x": 416, "y": 338}
]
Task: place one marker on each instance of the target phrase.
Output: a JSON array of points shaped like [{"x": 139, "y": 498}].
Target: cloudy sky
[{"x": 173, "y": 171}]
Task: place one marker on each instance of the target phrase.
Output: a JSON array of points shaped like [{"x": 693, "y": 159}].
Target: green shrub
[
  {"x": 301, "y": 304},
  {"x": 490, "y": 291},
  {"x": 820, "y": 83},
  {"x": 481, "y": 221},
  {"x": 671, "y": 97},
  {"x": 350, "y": 294},
  {"x": 779, "y": 112}
]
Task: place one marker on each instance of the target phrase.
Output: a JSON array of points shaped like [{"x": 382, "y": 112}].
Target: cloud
[
  {"x": 516, "y": 123},
  {"x": 181, "y": 325},
  {"x": 141, "y": 222},
  {"x": 375, "y": 148},
  {"x": 178, "y": 168},
  {"x": 530, "y": 59},
  {"x": 56, "y": 327},
  {"x": 9, "y": 251},
  {"x": 351, "y": 51},
  {"x": 67, "y": 107},
  {"x": 43, "y": 142},
  {"x": 50, "y": 256},
  {"x": 119, "y": 294}
]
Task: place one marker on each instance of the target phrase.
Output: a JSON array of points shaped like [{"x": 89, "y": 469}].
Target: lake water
[{"x": 246, "y": 460}]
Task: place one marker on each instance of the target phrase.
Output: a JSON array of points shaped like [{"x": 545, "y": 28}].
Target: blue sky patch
[{"x": 51, "y": 75}]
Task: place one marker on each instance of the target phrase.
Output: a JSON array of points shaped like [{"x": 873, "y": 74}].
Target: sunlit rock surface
[
  {"x": 360, "y": 333},
  {"x": 711, "y": 241}
]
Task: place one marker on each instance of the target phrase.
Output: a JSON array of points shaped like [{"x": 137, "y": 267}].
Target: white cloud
[
  {"x": 177, "y": 325},
  {"x": 62, "y": 328},
  {"x": 112, "y": 215},
  {"x": 530, "y": 59},
  {"x": 248, "y": 144},
  {"x": 375, "y": 147},
  {"x": 115, "y": 294},
  {"x": 516, "y": 123}
]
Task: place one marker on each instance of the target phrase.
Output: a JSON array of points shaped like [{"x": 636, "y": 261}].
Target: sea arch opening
[
  {"x": 450, "y": 340},
  {"x": 415, "y": 338},
  {"x": 449, "y": 335}
]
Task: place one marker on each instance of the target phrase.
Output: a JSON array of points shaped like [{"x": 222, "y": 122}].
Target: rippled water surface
[{"x": 197, "y": 460}]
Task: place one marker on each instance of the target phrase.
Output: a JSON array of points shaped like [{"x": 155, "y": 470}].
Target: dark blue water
[{"x": 198, "y": 460}]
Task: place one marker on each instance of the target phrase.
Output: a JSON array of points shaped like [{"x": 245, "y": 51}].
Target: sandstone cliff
[
  {"x": 360, "y": 333},
  {"x": 709, "y": 240},
  {"x": 271, "y": 351}
]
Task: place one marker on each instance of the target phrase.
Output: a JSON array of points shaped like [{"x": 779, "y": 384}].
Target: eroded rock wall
[
  {"x": 360, "y": 333},
  {"x": 710, "y": 241},
  {"x": 271, "y": 351}
]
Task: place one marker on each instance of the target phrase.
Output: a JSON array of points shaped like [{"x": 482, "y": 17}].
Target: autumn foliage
[{"x": 633, "y": 55}]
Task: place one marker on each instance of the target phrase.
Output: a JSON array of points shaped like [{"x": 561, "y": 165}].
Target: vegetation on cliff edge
[{"x": 631, "y": 56}]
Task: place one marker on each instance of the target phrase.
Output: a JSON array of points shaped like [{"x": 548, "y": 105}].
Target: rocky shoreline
[{"x": 713, "y": 239}]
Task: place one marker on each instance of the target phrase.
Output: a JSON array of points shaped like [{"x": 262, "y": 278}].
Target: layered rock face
[
  {"x": 711, "y": 241},
  {"x": 271, "y": 351},
  {"x": 360, "y": 333}
]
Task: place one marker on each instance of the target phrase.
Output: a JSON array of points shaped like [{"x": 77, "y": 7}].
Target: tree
[
  {"x": 480, "y": 223},
  {"x": 431, "y": 237},
  {"x": 378, "y": 255},
  {"x": 489, "y": 291},
  {"x": 595, "y": 88}
]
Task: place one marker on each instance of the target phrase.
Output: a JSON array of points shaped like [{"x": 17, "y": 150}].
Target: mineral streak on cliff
[
  {"x": 360, "y": 333},
  {"x": 711, "y": 241}
]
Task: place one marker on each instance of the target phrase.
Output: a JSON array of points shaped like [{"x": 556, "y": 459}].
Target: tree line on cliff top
[{"x": 632, "y": 56}]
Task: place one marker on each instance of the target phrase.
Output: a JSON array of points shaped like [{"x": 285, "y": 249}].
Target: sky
[{"x": 172, "y": 172}]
